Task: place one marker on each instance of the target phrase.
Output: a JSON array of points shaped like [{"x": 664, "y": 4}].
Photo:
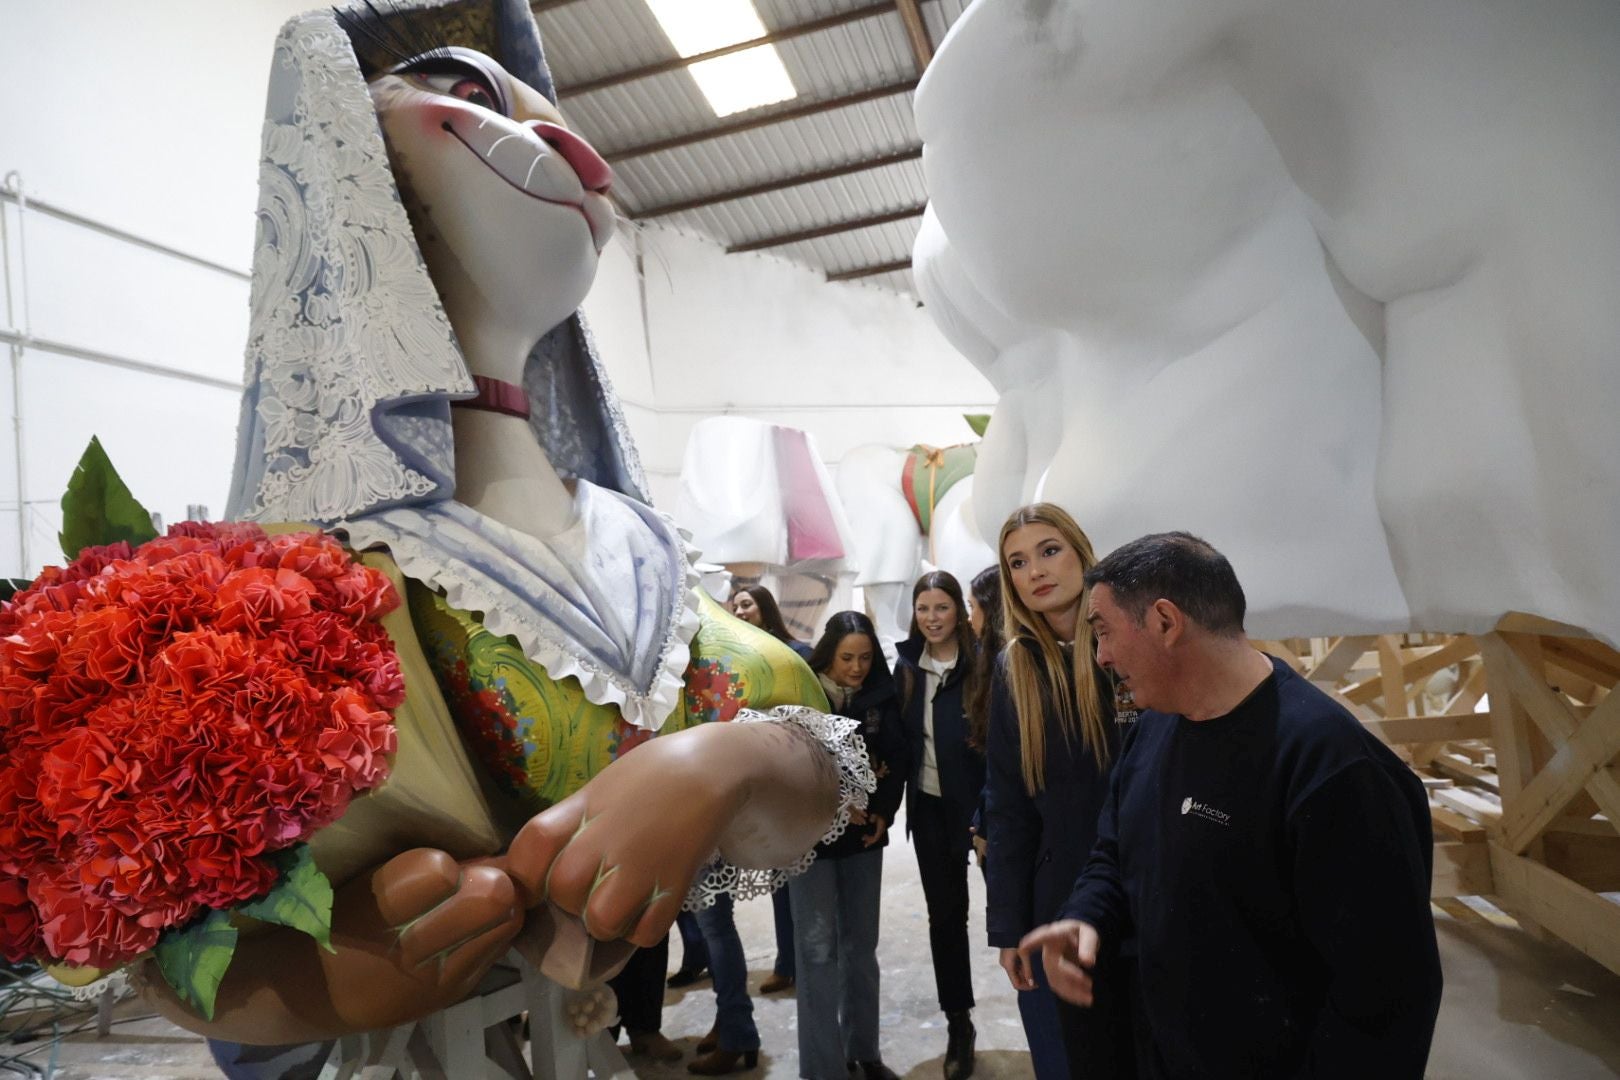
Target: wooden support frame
[
  {"x": 786, "y": 33},
  {"x": 870, "y": 271},
  {"x": 1525, "y": 798},
  {"x": 922, "y": 49},
  {"x": 718, "y": 131},
  {"x": 847, "y": 225},
  {"x": 796, "y": 180}
]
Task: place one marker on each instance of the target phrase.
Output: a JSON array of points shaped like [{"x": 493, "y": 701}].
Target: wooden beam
[
  {"x": 1555, "y": 719},
  {"x": 847, "y": 225},
  {"x": 1450, "y": 653},
  {"x": 870, "y": 271},
  {"x": 1588, "y": 659},
  {"x": 1461, "y": 869},
  {"x": 796, "y": 180},
  {"x": 922, "y": 49},
  {"x": 1578, "y": 915},
  {"x": 1444, "y": 728},
  {"x": 1577, "y": 761},
  {"x": 1450, "y": 825},
  {"x": 786, "y": 33},
  {"x": 1340, "y": 659},
  {"x": 780, "y": 116},
  {"x": 1588, "y": 859}
]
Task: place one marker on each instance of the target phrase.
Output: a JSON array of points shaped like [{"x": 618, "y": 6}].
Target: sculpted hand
[
  {"x": 1017, "y": 969},
  {"x": 620, "y": 853},
  {"x": 1068, "y": 952},
  {"x": 412, "y": 936},
  {"x": 452, "y": 920}
]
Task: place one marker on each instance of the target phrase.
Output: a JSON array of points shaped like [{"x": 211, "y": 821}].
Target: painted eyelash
[{"x": 381, "y": 27}]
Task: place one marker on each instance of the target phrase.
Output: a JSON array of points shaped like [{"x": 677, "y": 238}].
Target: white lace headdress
[
  {"x": 351, "y": 362},
  {"x": 352, "y": 365}
]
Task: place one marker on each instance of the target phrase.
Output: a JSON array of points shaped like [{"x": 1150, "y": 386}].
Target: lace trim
[
  {"x": 541, "y": 638},
  {"x": 117, "y": 983},
  {"x": 837, "y": 736}
]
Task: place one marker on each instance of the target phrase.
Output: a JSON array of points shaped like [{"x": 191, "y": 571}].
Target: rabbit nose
[{"x": 593, "y": 172}]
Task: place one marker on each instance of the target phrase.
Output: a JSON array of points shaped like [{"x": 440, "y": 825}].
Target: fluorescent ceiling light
[{"x": 733, "y": 83}]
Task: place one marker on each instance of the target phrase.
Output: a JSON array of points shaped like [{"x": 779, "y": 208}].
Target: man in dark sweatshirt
[{"x": 1271, "y": 855}]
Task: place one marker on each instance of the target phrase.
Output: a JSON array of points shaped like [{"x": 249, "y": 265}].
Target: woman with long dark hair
[
  {"x": 987, "y": 619},
  {"x": 755, "y": 605},
  {"x": 944, "y": 778},
  {"x": 836, "y": 901},
  {"x": 1052, "y": 742}
]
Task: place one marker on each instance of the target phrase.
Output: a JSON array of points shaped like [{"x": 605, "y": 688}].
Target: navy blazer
[
  {"x": 1038, "y": 843},
  {"x": 876, "y": 706},
  {"x": 961, "y": 767}
]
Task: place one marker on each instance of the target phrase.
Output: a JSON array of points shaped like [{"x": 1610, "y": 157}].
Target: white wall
[
  {"x": 146, "y": 117},
  {"x": 754, "y": 335}
]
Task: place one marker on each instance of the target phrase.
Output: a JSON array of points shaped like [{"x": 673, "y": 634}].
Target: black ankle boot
[{"x": 960, "y": 1037}]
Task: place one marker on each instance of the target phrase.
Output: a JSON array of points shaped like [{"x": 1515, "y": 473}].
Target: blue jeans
[
  {"x": 835, "y": 924},
  {"x": 694, "y": 953},
  {"x": 782, "y": 909},
  {"x": 1038, "y": 1008},
  {"x": 292, "y": 1061},
  {"x": 734, "y": 1011}
]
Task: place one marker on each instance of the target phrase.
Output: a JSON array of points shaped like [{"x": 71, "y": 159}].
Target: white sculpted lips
[{"x": 527, "y": 163}]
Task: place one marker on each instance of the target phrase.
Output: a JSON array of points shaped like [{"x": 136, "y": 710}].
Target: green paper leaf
[
  {"x": 98, "y": 509},
  {"x": 193, "y": 960},
  {"x": 978, "y": 422},
  {"x": 302, "y": 898}
]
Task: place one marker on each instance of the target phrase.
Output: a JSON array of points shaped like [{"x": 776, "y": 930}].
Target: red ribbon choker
[{"x": 498, "y": 397}]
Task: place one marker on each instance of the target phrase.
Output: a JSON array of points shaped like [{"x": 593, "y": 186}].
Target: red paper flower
[{"x": 170, "y": 717}]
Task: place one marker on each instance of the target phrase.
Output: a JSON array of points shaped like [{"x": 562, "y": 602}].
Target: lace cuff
[{"x": 836, "y": 736}]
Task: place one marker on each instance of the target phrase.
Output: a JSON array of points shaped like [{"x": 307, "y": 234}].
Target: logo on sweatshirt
[{"x": 1204, "y": 810}]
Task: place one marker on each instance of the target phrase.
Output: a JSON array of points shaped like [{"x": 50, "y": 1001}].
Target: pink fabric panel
[{"x": 811, "y": 531}]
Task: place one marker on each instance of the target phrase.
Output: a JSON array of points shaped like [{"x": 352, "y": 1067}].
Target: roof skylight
[{"x": 738, "y": 81}]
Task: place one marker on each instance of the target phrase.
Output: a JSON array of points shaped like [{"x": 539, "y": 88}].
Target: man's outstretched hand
[{"x": 1068, "y": 951}]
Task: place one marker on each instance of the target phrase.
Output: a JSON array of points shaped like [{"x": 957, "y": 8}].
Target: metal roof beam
[
  {"x": 721, "y": 130},
  {"x": 870, "y": 271},
  {"x": 847, "y": 225},
  {"x": 786, "y": 33},
  {"x": 796, "y": 180},
  {"x": 922, "y": 49}
]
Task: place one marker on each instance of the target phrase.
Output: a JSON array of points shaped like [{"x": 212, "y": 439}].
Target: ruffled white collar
[{"x": 612, "y": 601}]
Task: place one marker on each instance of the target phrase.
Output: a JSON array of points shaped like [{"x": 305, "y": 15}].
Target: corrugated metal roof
[{"x": 594, "y": 39}]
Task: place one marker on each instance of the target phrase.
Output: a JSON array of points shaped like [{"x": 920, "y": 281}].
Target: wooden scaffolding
[{"x": 1524, "y": 794}]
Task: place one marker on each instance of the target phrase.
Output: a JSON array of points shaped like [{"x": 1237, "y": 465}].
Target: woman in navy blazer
[
  {"x": 944, "y": 775},
  {"x": 1053, "y": 740}
]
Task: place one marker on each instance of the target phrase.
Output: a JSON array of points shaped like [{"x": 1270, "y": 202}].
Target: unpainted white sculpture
[
  {"x": 757, "y": 500},
  {"x": 1329, "y": 284},
  {"x": 890, "y": 547}
]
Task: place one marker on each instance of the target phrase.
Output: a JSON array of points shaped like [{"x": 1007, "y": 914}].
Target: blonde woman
[{"x": 1052, "y": 742}]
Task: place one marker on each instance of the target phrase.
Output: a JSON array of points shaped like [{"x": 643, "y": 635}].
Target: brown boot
[
  {"x": 654, "y": 1045},
  {"x": 721, "y": 1062},
  {"x": 774, "y": 984},
  {"x": 710, "y": 1042}
]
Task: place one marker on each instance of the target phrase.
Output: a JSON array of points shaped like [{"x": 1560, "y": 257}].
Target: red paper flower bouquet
[{"x": 176, "y": 717}]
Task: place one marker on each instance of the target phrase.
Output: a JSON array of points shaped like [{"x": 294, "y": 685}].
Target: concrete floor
[{"x": 1514, "y": 1007}]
